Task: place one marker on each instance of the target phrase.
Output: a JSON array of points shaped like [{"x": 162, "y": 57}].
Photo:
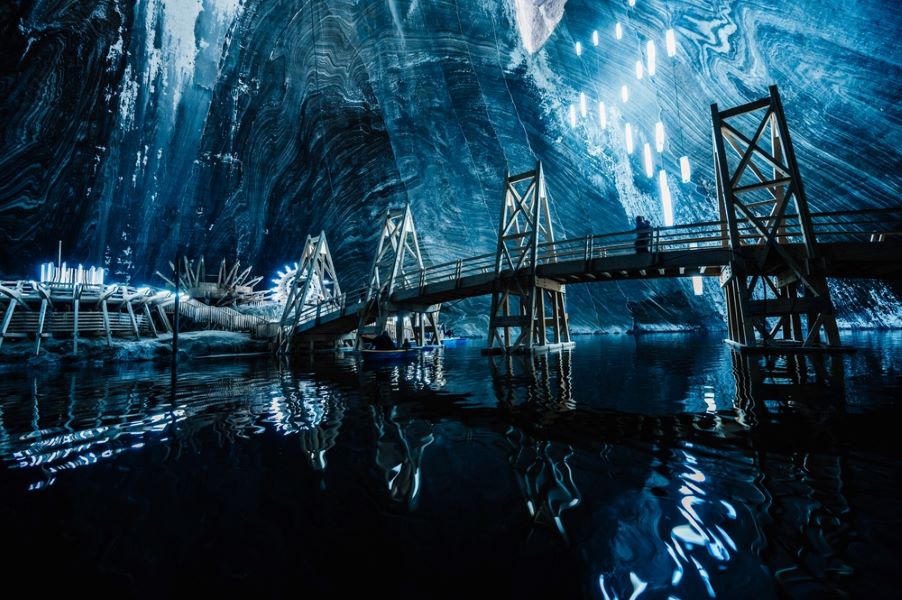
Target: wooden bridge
[{"x": 772, "y": 257}]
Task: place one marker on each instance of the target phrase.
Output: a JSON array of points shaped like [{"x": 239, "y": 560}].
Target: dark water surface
[{"x": 652, "y": 467}]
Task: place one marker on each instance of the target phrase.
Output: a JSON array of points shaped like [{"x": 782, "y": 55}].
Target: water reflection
[
  {"x": 626, "y": 467},
  {"x": 311, "y": 412}
]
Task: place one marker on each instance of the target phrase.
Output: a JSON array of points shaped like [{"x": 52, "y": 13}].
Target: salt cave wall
[{"x": 238, "y": 126}]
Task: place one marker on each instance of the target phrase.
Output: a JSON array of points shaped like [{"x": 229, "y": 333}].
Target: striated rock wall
[{"x": 238, "y": 126}]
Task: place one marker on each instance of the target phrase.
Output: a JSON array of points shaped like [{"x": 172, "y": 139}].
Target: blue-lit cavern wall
[{"x": 241, "y": 125}]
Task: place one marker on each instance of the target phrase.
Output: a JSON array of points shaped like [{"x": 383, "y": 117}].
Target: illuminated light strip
[
  {"x": 639, "y": 69},
  {"x": 595, "y": 38},
  {"x": 646, "y": 154},
  {"x": 582, "y": 104},
  {"x": 670, "y": 42},
  {"x": 685, "y": 169},
  {"x": 628, "y": 134},
  {"x": 618, "y": 31},
  {"x": 666, "y": 201},
  {"x": 572, "y": 115},
  {"x": 659, "y": 136},
  {"x": 650, "y": 56},
  {"x": 579, "y": 49},
  {"x": 698, "y": 286},
  {"x": 624, "y": 93},
  {"x": 602, "y": 115}
]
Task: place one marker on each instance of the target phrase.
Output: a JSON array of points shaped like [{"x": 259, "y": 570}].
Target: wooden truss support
[
  {"x": 763, "y": 204},
  {"x": 315, "y": 284},
  {"x": 131, "y": 315},
  {"x": 163, "y": 318},
  {"x": 149, "y": 316},
  {"x": 41, "y": 320},
  {"x": 106, "y": 322},
  {"x": 523, "y": 309},
  {"x": 7, "y": 319},
  {"x": 397, "y": 262}
]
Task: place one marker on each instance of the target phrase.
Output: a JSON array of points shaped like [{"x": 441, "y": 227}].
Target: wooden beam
[
  {"x": 106, "y": 322},
  {"x": 164, "y": 318},
  {"x": 131, "y": 314},
  {"x": 7, "y": 319},
  {"x": 149, "y": 318},
  {"x": 41, "y": 318}
]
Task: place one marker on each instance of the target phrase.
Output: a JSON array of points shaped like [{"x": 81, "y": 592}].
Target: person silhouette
[{"x": 642, "y": 234}]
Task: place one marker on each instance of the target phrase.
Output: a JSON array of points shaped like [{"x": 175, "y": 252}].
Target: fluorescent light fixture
[
  {"x": 666, "y": 202},
  {"x": 582, "y": 104},
  {"x": 572, "y": 115},
  {"x": 650, "y": 57},
  {"x": 646, "y": 155},
  {"x": 685, "y": 169},
  {"x": 670, "y": 42},
  {"x": 698, "y": 288},
  {"x": 595, "y": 38},
  {"x": 632, "y": 2},
  {"x": 628, "y": 134},
  {"x": 659, "y": 136},
  {"x": 602, "y": 115},
  {"x": 640, "y": 70},
  {"x": 624, "y": 93},
  {"x": 618, "y": 31},
  {"x": 579, "y": 49}
]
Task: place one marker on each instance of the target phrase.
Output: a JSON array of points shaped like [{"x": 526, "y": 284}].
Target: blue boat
[{"x": 384, "y": 355}]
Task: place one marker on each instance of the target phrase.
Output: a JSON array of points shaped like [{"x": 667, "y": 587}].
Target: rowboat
[{"x": 389, "y": 354}]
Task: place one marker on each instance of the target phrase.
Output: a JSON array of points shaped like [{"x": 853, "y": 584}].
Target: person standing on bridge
[{"x": 643, "y": 234}]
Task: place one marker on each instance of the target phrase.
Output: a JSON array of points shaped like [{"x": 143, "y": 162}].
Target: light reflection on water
[{"x": 664, "y": 466}]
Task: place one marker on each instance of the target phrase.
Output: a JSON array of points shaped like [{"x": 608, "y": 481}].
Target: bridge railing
[
  {"x": 336, "y": 304},
  {"x": 874, "y": 225}
]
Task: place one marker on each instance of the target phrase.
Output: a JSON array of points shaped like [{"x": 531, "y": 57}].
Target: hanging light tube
[
  {"x": 572, "y": 115},
  {"x": 628, "y": 134},
  {"x": 659, "y": 136},
  {"x": 582, "y": 104},
  {"x": 646, "y": 155},
  {"x": 595, "y": 38},
  {"x": 602, "y": 115},
  {"x": 666, "y": 202},
  {"x": 698, "y": 287},
  {"x": 685, "y": 170},
  {"x": 618, "y": 31},
  {"x": 579, "y": 49},
  {"x": 670, "y": 42},
  {"x": 650, "y": 57},
  {"x": 624, "y": 93},
  {"x": 639, "y": 69}
]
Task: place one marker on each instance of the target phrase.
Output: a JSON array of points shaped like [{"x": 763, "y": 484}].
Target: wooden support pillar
[
  {"x": 131, "y": 314},
  {"x": 41, "y": 319},
  {"x": 106, "y": 322},
  {"x": 763, "y": 193},
  {"x": 7, "y": 318},
  {"x": 164, "y": 318},
  {"x": 149, "y": 317},
  {"x": 506, "y": 313},
  {"x": 543, "y": 331}
]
